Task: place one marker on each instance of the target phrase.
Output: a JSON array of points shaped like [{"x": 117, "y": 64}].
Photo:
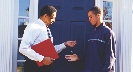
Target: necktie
[{"x": 48, "y": 31}]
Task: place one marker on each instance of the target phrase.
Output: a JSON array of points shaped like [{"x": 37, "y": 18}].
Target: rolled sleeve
[{"x": 59, "y": 47}]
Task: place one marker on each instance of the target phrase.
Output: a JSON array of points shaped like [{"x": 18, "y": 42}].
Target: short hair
[
  {"x": 48, "y": 9},
  {"x": 96, "y": 10}
]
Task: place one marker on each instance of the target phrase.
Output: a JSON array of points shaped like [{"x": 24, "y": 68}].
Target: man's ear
[
  {"x": 98, "y": 15},
  {"x": 44, "y": 15}
]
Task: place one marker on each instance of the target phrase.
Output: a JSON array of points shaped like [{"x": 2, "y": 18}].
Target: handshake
[{"x": 74, "y": 57}]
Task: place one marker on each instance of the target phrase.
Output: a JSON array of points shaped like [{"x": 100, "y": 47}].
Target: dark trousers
[
  {"x": 64, "y": 71},
  {"x": 31, "y": 66},
  {"x": 90, "y": 71},
  {"x": 96, "y": 71}
]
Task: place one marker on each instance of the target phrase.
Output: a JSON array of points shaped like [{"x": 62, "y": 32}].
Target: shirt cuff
[
  {"x": 63, "y": 45},
  {"x": 40, "y": 58}
]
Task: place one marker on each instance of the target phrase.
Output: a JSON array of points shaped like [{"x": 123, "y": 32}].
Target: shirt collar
[{"x": 41, "y": 22}]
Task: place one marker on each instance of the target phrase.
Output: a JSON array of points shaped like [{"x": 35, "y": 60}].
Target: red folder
[{"x": 46, "y": 49}]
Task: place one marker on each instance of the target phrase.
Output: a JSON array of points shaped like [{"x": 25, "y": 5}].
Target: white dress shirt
[{"x": 35, "y": 33}]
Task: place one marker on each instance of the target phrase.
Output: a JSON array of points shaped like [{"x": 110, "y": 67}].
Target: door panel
[
  {"x": 58, "y": 33},
  {"x": 78, "y": 33}
]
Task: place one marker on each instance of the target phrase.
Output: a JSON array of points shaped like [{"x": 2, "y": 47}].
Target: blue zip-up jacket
[{"x": 100, "y": 53}]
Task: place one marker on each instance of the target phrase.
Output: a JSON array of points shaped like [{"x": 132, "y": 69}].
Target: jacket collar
[{"x": 102, "y": 24}]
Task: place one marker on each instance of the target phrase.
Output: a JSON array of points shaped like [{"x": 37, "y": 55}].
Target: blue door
[{"x": 71, "y": 24}]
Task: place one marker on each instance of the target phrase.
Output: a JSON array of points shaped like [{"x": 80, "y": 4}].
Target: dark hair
[
  {"x": 48, "y": 9},
  {"x": 96, "y": 10}
]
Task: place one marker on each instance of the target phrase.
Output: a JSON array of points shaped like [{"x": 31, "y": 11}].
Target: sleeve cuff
[
  {"x": 59, "y": 47},
  {"x": 63, "y": 45},
  {"x": 41, "y": 58}
]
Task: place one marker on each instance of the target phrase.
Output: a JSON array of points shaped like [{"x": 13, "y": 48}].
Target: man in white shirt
[{"x": 35, "y": 33}]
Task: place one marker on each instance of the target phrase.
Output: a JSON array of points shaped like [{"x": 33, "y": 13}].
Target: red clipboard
[{"x": 46, "y": 49}]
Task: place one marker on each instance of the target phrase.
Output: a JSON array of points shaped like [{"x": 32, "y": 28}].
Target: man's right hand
[
  {"x": 70, "y": 43},
  {"x": 47, "y": 60}
]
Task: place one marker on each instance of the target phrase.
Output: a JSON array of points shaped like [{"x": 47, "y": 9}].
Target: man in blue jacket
[
  {"x": 101, "y": 44},
  {"x": 100, "y": 53}
]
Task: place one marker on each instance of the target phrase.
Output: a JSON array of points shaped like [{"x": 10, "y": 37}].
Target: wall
[
  {"x": 7, "y": 20},
  {"x": 122, "y": 26}
]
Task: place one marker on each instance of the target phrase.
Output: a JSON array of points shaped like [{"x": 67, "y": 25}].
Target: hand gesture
[
  {"x": 70, "y": 43},
  {"x": 73, "y": 57},
  {"x": 47, "y": 60}
]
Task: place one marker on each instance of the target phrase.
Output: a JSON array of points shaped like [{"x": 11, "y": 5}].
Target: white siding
[
  {"x": 7, "y": 13},
  {"x": 122, "y": 26}
]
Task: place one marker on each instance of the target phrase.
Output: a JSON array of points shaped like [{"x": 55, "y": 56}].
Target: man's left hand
[{"x": 73, "y": 57}]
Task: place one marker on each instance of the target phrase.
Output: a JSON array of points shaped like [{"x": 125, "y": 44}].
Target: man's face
[
  {"x": 92, "y": 18},
  {"x": 49, "y": 19}
]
